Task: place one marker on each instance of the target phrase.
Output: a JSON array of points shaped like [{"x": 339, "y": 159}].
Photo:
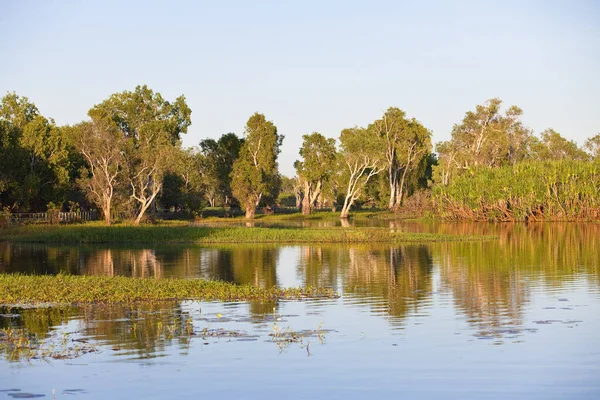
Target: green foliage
[
  {"x": 183, "y": 183},
  {"x": 290, "y": 193},
  {"x": 485, "y": 137},
  {"x": 318, "y": 156},
  {"x": 362, "y": 156},
  {"x": 550, "y": 190},
  {"x": 35, "y": 157},
  {"x": 151, "y": 128},
  {"x": 100, "y": 143},
  {"x": 407, "y": 143},
  {"x": 552, "y": 146},
  {"x": 254, "y": 173},
  {"x": 317, "y": 166},
  {"x": 216, "y": 164},
  {"x": 593, "y": 146}
]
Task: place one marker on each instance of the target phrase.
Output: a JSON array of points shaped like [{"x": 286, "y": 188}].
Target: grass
[
  {"x": 188, "y": 234},
  {"x": 315, "y": 216},
  {"x": 17, "y": 289}
]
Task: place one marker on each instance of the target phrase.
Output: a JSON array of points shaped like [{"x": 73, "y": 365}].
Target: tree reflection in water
[{"x": 489, "y": 282}]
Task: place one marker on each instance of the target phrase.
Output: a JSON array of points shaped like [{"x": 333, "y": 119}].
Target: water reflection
[
  {"x": 490, "y": 284},
  {"x": 141, "y": 331}
]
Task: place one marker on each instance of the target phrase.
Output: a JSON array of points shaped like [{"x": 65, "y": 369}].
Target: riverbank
[
  {"x": 17, "y": 289},
  {"x": 189, "y": 234},
  {"x": 218, "y": 216}
]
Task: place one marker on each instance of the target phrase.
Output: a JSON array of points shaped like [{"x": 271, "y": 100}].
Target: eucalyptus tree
[
  {"x": 593, "y": 146},
  {"x": 255, "y": 172},
  {"x": 362, "y": 156},
  {"x": 485, "y": 137},
  {"x": 319, "y": 155},
  {"x": 101, "y": 144},
  {"x": 183, "y": 185},
  {"x": 553, "y": 146},
  {"x": 152, "y": 127},
  {"x": 217, "y": 162},
  {"x": 407, "y": 143},
  {"x": 291, "y": 192}
]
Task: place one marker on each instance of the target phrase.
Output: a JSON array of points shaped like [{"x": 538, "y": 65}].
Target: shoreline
[{"x": 188, "y": 234}]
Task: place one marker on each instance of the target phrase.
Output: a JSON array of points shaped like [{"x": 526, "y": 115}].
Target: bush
[{"x": 565, "y": 190}]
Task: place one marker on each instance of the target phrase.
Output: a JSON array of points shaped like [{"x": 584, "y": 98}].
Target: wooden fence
[{"x": 55, "y": 217}]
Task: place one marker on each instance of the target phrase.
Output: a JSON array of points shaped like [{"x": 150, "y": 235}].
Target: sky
[{"x": 310, "y": 66}]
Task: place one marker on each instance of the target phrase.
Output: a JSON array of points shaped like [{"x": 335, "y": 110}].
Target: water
[{"x": 514, "y": 318}]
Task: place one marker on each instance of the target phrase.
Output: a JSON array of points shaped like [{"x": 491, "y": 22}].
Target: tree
[
  {"x": 254, "y": 173},
  {"x": 407, "y": 142},
  {"x": 100, "y": 142},
  {"x": 217, "y": 162},
  {"x": 484, "y": 137},
  {"x": 412, "y": 152},
  {"x": 363, "y": 156},
  {"x": 593, "y": 146},
  {"x": 34, "y": 156},
  {"x": 152, "y": 127},
  {"x": 552, "y": 146},
  {"x": 318, "y": 154},
  {"x": 183, "y": 185},
  {"x": 291, "y": 192}
]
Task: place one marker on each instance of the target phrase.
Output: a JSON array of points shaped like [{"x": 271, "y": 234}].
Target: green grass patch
[
  {"x": 175, "y": 234},
  {"x": 314, "y": 216},
  {"x": 17, "y": 289}
]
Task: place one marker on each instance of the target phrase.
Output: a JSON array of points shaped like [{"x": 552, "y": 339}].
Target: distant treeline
[{"x": 127, "y": 160}]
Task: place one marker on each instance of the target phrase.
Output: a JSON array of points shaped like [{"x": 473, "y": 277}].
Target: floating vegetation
[
  {"x": 16, "y": 289},
  {"x": 137, "y": 331},
  {"x": 148, "y": 234},
  {"x": 19, "y": 344},
  {"x": 283, "y": 338}
]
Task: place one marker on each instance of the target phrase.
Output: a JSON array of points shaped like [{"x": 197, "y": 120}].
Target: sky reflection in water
[{"x": 516, "y": 317}]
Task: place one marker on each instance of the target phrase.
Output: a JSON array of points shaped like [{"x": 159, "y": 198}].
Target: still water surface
[{"x": 517, "y": 317}]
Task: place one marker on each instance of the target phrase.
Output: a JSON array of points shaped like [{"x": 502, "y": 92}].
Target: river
[{"x": 516, "y": 317}]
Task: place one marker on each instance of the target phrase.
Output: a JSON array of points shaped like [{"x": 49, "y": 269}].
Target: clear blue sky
[{"x": 310, "y": 65}]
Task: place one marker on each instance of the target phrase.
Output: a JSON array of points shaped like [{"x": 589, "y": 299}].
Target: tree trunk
[
  {"x": 141, "y": 214},
  {"x": 106, "y": 212},
  {"x": 250, "y": 211},
  {"x": 306, "y": 206},
  {"x": 346, "y": 207},
  {"x": 345, "y": 212},
  {"x": 400, "y": 191},
  {"x": 393, "y": 178},
  {"x": 107, "y": 220}
]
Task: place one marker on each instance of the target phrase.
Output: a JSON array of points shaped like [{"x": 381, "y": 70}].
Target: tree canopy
[
  {"x": 255, "y": 172},
  {"x": 318, "y": 164},
  {"x": 152, "y": 128},
  {"x": 362, "y": 154}
]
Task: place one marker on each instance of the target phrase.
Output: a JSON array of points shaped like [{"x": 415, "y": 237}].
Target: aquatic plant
[
  {"x": 566, "y": 190},
  {"x": 70, "y": 289}
]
